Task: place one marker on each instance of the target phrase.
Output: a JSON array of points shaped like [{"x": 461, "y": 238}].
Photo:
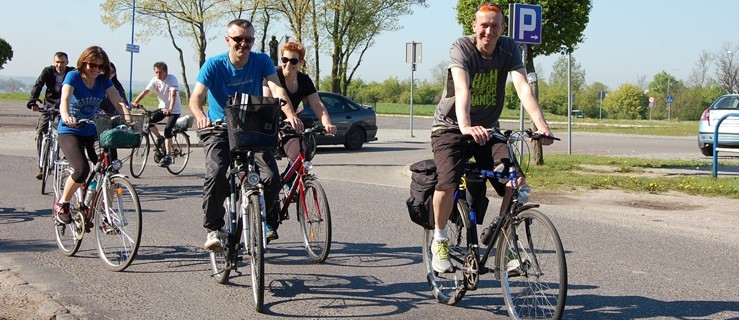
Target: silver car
[
  {"x": 728, "y": 134},
  {"x": 355, "y": 123}
]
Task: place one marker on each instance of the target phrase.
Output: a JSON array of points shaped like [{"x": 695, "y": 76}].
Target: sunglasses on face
[
  {"x": 292, "y": 61},
  {"x": 91, "y": 65},
  {"x": 489, "y": 7},
  {"x": 246, "y": 39}
]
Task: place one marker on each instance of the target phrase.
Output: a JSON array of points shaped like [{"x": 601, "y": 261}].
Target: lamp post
[
  {"x": 731, "y": 72},
  {"x": 669, "y": 98},
  {"x": 568, "y": 52}
]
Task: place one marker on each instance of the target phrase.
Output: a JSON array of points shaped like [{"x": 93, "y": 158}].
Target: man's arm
[
  {"x": 143, "y": 94},
  {"x": 172, "y": 97},
  {"x": 462, "y": 102},
  {"x": 196, "y": 105},
  {"x": 526, "y": 95},
  {"x": 36, "y": 91},
  {"x": 277, "y": 91}
]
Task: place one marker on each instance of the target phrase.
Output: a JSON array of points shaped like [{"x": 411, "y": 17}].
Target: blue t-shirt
[
  {"x": 85, "y": 102},
  {"x": 223, "y": 80}
]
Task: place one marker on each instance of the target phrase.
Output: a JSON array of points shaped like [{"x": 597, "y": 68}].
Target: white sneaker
[
  {"x": 214, "y": 240},
  {"x": 512, "y": 267},
  {"x": 440, "y": 260}
]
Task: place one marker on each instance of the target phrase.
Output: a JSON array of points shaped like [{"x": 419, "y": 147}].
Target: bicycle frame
[{"x": 239, "y": 170}]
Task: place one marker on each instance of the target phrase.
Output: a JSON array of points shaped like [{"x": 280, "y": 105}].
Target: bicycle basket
[{"x": 252, "y": 123}]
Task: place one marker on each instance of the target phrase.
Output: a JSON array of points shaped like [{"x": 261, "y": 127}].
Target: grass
[
  {"x": 150, "y": 101},
  {"x": 567, "y": 173}
]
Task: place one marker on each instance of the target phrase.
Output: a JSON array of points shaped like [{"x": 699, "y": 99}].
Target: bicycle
[
  {"x": 108, "y": 198},
  {"x": 529, "y": 257},
  {"x": 49, "y": 151},
  {"x": 180, "y": 146},
  {"x": 304, "y": 189}
]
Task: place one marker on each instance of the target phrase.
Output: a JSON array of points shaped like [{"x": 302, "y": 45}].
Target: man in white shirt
[{"x": 170, "y": 106}]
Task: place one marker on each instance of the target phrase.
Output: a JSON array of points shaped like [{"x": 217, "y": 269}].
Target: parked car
[
  {"x": 355, "y": 123},
  {"x": 728, "y": 134},
  {"x": 578, "y": 114}
]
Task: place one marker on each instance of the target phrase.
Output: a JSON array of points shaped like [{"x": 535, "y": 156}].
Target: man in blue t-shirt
[{"x": 243, "y": 71}]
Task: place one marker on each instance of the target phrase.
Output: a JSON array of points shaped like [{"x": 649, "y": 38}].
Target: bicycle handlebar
[{"x": 505, "y": 136}]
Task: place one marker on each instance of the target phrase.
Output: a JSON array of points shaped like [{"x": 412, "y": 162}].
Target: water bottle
[
  {"x": 523, "y": 194},
  {"x": 90, "y": 191},
  {"x": 488, "y": 232}
]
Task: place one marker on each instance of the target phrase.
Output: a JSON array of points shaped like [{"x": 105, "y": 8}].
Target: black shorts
[{"x": 451, "y": 154}]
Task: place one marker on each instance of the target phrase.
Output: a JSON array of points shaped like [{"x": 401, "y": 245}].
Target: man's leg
[{"x": 215, "y": 188}]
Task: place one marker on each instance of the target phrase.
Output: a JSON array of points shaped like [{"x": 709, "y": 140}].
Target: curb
[{"x": 48, "y": 308}]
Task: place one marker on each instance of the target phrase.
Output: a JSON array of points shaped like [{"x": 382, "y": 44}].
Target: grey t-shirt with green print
[{"x": 487, "y": 82}]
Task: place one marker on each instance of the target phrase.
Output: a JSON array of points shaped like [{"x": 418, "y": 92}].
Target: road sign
[
  {"x": 651, "y": 104},
  {"x": 132, "y": 48},
  {"x": 651, "y": 100},
  {"x": 413, "y": 52},
  {"x": 670, "y": 99},
  {"x": 527, "y": 23}
]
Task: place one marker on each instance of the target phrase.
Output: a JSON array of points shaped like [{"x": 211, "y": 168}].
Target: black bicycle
[
  {"x": 529, "y": 260},
  {"x": 49, "y": 150},
  {"x": 180, "y": 146}
]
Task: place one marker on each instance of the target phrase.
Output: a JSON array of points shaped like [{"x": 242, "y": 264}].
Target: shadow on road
[{"x": 635, "y": 307}]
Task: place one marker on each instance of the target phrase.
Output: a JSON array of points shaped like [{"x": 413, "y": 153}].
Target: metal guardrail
[{"x": 714, "y": 172}]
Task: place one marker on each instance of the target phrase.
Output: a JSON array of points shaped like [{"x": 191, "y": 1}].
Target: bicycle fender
[{"x": 527, "y": 207}]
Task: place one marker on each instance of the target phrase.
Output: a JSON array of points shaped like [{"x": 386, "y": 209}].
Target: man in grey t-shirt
[{"x": 472, "y": 101}]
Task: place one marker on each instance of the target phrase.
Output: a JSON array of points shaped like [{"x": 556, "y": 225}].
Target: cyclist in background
[
  {"x": 299, "y": 88},
  {"x": 170, "y": 106},
  {"x": 83, "y": 92},
  {"x": 51, "y": 77},
  {"x": 238, "y": 70},
  {"x": 471, "y": 102}
]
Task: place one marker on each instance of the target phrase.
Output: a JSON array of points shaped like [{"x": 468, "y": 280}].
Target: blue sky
[{"x": 624, "y": 40}]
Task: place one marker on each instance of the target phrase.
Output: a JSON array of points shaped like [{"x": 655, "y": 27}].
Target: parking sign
[{"x": 527, "y": 23}]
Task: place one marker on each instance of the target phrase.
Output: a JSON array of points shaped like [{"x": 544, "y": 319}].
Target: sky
[{"x": 623, "y": 41}]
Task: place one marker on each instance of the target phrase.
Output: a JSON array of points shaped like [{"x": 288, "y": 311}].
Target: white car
[{"x": 728, "y": 134}]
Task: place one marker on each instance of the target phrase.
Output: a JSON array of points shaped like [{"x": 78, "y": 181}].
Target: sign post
[
  {"x": 651, "y": 105},
  {"x": 413, "y": 55}
]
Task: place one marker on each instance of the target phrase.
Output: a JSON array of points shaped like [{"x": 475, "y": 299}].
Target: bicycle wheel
[
  {"x": 534, "y": 277},
  {"x": 180, "y": 153},
  {"x": 449, "y": 288},
  {"x": 314, "y": 216},
  {"x": 45, "y": 165},
  {"x": 139, "y": 156},
  {"x": 219, "y": 259},
  {"x": 254, "y": 238},
  {"x": 65, "y": 233},
  {"x": 117, "y": 223}
]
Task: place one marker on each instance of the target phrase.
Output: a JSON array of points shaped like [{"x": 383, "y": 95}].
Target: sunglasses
[
  {"x": 489, "y": 7},
  {"x": 95, "y": 66},
  {"x": 292, "y": 61},
  {"x": 246, "y": 39}
]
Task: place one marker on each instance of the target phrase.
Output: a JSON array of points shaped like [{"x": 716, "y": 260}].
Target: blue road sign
[
  {"x": 132, "y": 48},
  {"x": 670, "y": 99},
  {"x": 527, "y": 23}
]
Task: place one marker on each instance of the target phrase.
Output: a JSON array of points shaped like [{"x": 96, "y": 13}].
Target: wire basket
[{"x": 253, "y": 123}]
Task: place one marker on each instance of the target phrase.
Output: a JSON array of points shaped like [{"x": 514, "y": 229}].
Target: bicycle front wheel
[
  {"x": 449, "y": 288},
  {"x": 139, "y": 156},
  {"x": 65, "y": 233},
  {"x": 315, "y": 221},
  {"x": 117, "y": 224},
  {"x": 180, "y": 153},
  {"x": 533, "y": 276},
  {"x": 255, "y": 240},
  {"x": 44, "y": 157},
  {"x": 220, "y": 262}
]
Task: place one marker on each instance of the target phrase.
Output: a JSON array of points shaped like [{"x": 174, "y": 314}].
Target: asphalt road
[{"x": 629, "y": 255}]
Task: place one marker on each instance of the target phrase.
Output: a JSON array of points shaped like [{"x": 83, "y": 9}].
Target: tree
[
  {"x": 628, "y": 102},
  {"x": 352, "y": 26},
  {"x": 563, "y": 24},
  {"x": 182, "y": 19},
  {"x": 6, "y": 52},
  {"x": 727, "y": 68},
  {"x": 699, "y": 76},
  {"x": 662, "y": 85},
  {"x": 559, "y": 74},
  {"x": 589, "y": 100}
]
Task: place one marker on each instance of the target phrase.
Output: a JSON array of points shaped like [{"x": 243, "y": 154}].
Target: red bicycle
[{"x": 301, "y": 187}]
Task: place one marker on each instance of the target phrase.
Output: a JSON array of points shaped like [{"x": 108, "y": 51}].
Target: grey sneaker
[
  {"x": 271, "y": 234},
  {"x": 166, "y": 161},
  {"x": 513, "y": 265},
  {"x": 440, "y": 261},
  {"x": 214, "y": 240}
]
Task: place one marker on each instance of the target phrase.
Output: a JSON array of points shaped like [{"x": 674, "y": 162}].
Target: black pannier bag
[
  {"x": 423, "y": 181},
  {"x": 253, "y": 122}
]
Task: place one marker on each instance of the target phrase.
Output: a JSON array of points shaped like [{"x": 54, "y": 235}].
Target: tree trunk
[{"x": 317, "y": 79}]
